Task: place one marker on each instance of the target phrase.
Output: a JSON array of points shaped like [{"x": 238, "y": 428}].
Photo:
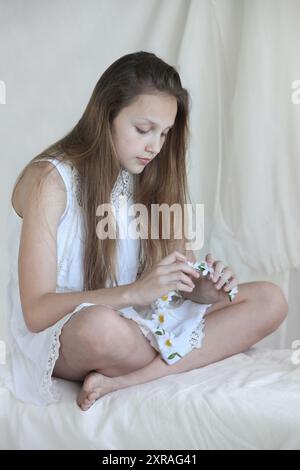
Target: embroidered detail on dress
[
  {"x": 123, "y": 188},
  {"x": 77, "y": 185}
]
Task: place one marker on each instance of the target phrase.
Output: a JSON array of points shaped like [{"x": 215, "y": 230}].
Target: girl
[{"x": 112, "y": 312}]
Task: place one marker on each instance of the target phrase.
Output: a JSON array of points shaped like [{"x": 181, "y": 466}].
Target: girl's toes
[{"x": 86, "y": 403}]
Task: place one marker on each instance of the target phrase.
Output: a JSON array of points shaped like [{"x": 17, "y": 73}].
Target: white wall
[{"x": 51, "y": 56}]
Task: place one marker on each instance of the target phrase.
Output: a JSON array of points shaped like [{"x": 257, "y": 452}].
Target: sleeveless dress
[{"x": 172, "y": 325}]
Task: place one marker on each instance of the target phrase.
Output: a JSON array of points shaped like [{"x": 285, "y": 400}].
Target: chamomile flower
[
  {"x": 168, "y": 345},
  {"x": 201, "y": 266},
  {"x": 166, "y": 299},
  {"x": 159, "y": 319},
  {"x": 204, "y": 268},
  {"x": 232, "y": 293},
  {"x": 168, "y": 341}
]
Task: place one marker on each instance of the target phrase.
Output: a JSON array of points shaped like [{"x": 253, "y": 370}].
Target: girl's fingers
[
  {"x": 172, "y": 258},
  {"x": 225, "y": 276},
  {"x": 175, "y": 283},
  {"x": 233, "y": 283},
  {"x": 209, "y": 259},
  {"x": 181, "y": 277},
  {"x": 176, "y": 267},
  {"x": 218, "y": 267},
  {"x": 181, "y": 287}
]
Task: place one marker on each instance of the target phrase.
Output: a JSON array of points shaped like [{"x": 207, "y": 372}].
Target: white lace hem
[
  {"x": 197, "y": 335},
  {"x": 48, "y": 388}
]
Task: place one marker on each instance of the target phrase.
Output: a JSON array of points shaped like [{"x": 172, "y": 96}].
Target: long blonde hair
[{"x": 89, "y": 148}]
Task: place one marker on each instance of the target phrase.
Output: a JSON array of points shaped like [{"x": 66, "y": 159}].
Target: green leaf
[
  {"x": 158, "y": 332},
  {"x": 172, "y": 356}
]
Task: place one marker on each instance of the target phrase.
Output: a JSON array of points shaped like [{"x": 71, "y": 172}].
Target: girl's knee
[
  {"x": 105, "y": 331},
  {"x": 274, "y": 303}
]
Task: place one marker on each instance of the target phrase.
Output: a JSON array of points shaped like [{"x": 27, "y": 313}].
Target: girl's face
[{"x": 135, "y": 137}]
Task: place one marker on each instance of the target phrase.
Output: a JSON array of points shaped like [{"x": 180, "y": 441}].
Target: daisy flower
[
  {"x": 203, "y": 266},
  {"x": 168, "y": 344},
  {"x": 166, "y": 299},
  {"x": 168, "y": 341},
  {"x": 232, "y": 293},
  {"x": 159, "y": 319}
]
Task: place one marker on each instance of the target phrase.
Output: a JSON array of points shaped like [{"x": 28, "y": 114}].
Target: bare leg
[
  {"x": 260, "y": 309},
  {"x": 100, "y": 338}
]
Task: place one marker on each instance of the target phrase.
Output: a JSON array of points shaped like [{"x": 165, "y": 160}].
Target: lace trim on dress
[
  {"x": 197, "y": 335},
  {"x": 77, "y": 185},
  {"x": 123, "y": 188},
  {"x": 48, "y": 383}
]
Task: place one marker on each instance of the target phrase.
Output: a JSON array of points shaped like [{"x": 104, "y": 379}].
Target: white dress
[{"x": 173, "y": 330}]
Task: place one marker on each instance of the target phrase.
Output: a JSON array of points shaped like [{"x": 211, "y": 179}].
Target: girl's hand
[
  {"x": 171, "y": 273},
  {"x": 211, "y": 288},
  {"x": 223, "y": 277}
]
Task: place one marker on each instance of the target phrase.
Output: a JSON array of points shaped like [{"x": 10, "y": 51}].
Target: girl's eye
[
  {"x": 140, "y": 131},
  {"x": 145, "y": 132}
]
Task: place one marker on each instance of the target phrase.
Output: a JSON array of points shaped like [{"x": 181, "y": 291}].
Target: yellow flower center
[
  {"x": 168, "y": 343},
  {"x": 161, "y": 318},
  {"x": 165, "y": 298}
]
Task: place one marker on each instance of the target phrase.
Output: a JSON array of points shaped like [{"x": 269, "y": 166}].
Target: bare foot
[{"x": 95, "y": 385}]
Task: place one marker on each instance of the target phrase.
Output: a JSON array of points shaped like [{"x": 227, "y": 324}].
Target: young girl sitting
[{"x": 116, "y": 311}]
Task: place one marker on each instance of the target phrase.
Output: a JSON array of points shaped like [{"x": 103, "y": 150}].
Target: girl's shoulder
[{"x": 39, "y": 171}]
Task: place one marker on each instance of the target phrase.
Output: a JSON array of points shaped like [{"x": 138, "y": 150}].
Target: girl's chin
[{"x": 133, "y": 166}]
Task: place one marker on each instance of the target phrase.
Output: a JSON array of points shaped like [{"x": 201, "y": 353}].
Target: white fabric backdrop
[
  {"x": 238, "y": 60},
  {"x": 245, "y": 127}
]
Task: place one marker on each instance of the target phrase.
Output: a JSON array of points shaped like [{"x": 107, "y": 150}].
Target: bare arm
[
  {"x": 42, "y": 306},
  {"x": 51, "y": 307}
]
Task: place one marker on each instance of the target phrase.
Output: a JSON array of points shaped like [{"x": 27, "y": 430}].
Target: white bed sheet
[{"x": 247, "y": 401}]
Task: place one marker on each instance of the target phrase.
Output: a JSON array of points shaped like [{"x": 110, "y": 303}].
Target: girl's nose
[
  {"x": 150, "y": 150},
  {"x": 154, "y": 146}
]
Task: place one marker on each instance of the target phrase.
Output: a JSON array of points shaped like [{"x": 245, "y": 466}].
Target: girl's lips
[{"x": 143, "y": 161}]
